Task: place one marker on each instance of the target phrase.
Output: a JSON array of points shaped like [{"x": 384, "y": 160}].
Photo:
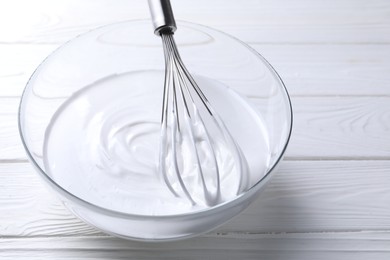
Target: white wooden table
[{"x": 331, "y": 197}]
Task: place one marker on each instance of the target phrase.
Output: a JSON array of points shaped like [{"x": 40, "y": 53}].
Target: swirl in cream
[{"x": 102, "y": 144}]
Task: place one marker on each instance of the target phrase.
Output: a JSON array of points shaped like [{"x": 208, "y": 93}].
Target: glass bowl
[{"x": 116, "y": 51}]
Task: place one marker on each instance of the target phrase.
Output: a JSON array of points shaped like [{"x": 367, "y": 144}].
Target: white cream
[{"x": 102, "y": 145}]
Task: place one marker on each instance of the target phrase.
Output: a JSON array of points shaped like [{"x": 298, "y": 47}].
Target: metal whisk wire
[
  {"x": 177, "y": 80},
  {"x": 193, "y": 136}
]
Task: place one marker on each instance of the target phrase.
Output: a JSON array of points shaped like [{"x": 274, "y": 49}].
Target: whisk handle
[{"x": 162, "y": 16}]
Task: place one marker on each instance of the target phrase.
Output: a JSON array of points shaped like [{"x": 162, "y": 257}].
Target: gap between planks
[
  {"x": 323, "y": 71},
  {"x": 308, "y": 71},
  {"x": 362, "y": 246},
  {"x": 216, "y": 234},
  {"x": 287, "y": 159},
  {"x": 275, "y": 21},
  {"x": 323, "y": 129},
  {"x": 274, "y": 44},
  {"x": 303, "y": 197}
]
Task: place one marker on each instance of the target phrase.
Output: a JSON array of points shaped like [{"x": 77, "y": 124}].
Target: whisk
[{"x": 195, "y": 143}]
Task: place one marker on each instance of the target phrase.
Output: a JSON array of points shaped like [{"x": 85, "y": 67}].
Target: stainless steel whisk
[{"x": 193, "y": 136}]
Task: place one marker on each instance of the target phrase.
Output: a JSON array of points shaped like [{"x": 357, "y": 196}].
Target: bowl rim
[{"x": 91, "y": 206}]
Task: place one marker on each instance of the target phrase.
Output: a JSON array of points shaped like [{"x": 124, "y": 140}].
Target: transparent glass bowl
[{"x": 132, "y": 46}]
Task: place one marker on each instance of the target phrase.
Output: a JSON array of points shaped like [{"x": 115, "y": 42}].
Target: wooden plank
[
  {"x": 331, "y": 70},
  {"x": 10, "y": 145},
  {"x": 27, "y": 208},
  {"x": 329, "y": 54},
  {"x": 324, "y": 128},
  {"x": 321, "y": 196},
  {"x": 307, "y": 70},
  {"x": 357, "y": 246},
  {"x": 17, "y": 63},
  {"x": 303, "y": 197},
  {"x": 269, "y": 21},
  {"x": 340, "y": 128}
]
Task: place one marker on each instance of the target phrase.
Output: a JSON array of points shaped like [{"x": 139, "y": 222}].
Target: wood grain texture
[
  {"x": 341, "y": 128},
  {"x": 346, "y": 246},
  {"x": 303, "y": 197},
  {"x": 46, "y": 21},
  {"x": 331, "y": 70},
  {"x": 324, "y": 128},
  {"x": 10, "y": 143},
  {"x": 27, "y": 208},
  {"x": 330, "y": 198},
  {"x": 17, "y": 63},
  {"x": 307, "y": 70}
]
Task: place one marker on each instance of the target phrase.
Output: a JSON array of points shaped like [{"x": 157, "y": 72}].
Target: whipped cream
[{"x": 102, "y": 144}]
